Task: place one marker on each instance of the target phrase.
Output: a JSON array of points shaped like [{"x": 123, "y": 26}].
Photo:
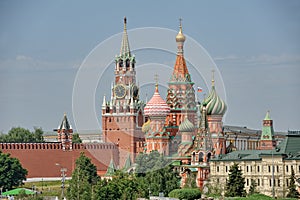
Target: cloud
[
  {"x": 26, "y": 63},
  {"x": 230, "y": 57},
  {"x": 272, "y": 59},
  {"x": 263, "y": 59},
  {"x": 22, "y": 57}
]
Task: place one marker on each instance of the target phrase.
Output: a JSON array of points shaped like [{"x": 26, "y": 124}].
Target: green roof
[
  {"x": 111, "y": 168},
  {"x": 127, "y": 163},
  {"x": 267, "y": 117},
  {"x": 17, "y": 191},
  {"x": 289, "y": 148}
]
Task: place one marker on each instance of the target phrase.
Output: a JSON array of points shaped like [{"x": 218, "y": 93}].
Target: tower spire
[{"x": 125, "y": 50}]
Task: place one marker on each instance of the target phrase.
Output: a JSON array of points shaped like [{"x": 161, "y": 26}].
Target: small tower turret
[
  {"x": 267, "y": 141},
  {"x": 64, "y": 133}
]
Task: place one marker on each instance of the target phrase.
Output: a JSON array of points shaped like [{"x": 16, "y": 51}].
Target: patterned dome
[
  {"x": 186, "y": 126},
  {"x": 156, "y": 106},
  {"x": 214, "y": 104}
]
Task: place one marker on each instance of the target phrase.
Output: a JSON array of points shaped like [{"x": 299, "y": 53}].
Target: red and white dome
[{"x": 156, "y": 106}]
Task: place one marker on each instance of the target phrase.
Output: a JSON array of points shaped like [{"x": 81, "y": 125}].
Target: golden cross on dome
[
  {"x": 156, "y": 78},
  {"x": 156, "y": 82},
  {"x": 213, "y": 77},
  {"x": 180, "y": 22}
]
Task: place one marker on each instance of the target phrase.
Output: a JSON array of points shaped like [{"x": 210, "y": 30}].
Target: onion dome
[
  {"x": 186, "y": 126},
  {"x": 180, "y": 37},
  {"x": 146, "y": 127},
  {"x": 156, "y": 106},
  {"x": 214, "y": 104}
]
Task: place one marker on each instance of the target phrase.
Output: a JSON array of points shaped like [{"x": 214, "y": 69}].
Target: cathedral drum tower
[{"x": 122, "y": 115}]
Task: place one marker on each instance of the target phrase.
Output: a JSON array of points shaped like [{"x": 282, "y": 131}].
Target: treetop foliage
[
  {"x": 235, "y": 186},
  {"x": 186, "y": 193},
  {"x": 22, "y": 135},
  {"x": 293, "y": 192},
  {"x": 11, "y": 172},
  {"x": 76, "y": 138}
]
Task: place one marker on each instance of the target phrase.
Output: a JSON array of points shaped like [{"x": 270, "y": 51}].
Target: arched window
[
  {"x": 127, "y": 63},
  {"x": 193, "y": 156},
  {"x": 200, "y": 157},
  {"x": 120, "y": 63}
]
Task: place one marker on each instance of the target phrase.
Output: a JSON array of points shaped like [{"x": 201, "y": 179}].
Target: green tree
[
  {"x": 253, "y": 187},
  {"x": 38, "y": 135},
  {"x": 213, "y": 189},
  {"x": 19, "y": 135},
  {"x": 11, "y": 172},
  {"x": 191, "y": 181},
  {"x": 150, "y": 162},
  {"x": 76, "y": 138},
  {"x": 121, "y": 186},
  {"x": 84, "y": 177},
  {"x": 235, "y": 186},
  {"x": 156, "y": 173},
  {"x": 293, "y": 193},
  {"x": 186, "y": 193}
]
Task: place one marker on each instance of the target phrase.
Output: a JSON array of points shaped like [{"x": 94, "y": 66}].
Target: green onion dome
[
  {"x": 214, "y": 104},
  {"x": 186, "y": 126}
]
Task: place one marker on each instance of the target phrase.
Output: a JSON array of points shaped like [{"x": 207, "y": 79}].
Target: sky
[{"x": 43, "y": 45}]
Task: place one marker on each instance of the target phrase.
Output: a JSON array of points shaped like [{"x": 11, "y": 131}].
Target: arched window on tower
[
  {"x": 193, "y": 157},
  {"x": 140, "y": 119},
  {"x": 127, "y": 63},
  {"x": 120, "y": 63},
  {"x": 200, "y": 157},
  {"x": 208, "y": 157}
]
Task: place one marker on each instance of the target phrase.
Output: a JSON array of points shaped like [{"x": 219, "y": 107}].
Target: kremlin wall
[{"x": 46, "y": 159}]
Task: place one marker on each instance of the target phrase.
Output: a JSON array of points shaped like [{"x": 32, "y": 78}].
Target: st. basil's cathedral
[{"x": 172, "y": 126}]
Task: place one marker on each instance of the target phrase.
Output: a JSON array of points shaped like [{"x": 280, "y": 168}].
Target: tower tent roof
[
  {"x": 267, "y": 129},
  {"x": 111, "y": 168},
  {"x": 267, "y": 117},
  {"x": 65, "y": 124},
  {"x": 125, "y": 50}
]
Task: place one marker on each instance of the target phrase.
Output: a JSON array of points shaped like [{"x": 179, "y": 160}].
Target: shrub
[{"x": 186, "y": 193}]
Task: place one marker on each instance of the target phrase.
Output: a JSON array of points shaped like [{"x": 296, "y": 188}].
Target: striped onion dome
[
  {"x": 186, "y": 126},
  {"x": 156, "y": 106},
  {"x": 214, "y": 104}
]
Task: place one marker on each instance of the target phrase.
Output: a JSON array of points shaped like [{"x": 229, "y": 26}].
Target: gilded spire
[{"x": 125, "y": 50}]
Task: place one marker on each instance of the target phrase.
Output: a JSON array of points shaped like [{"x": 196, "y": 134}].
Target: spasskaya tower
[{"x": 122, "y": 115}]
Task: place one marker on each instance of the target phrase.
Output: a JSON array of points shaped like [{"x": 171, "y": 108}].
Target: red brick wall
[{"x": 40, "y": 158}]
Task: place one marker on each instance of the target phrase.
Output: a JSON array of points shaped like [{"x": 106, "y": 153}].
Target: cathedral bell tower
[{"x": 122, "y": 115}]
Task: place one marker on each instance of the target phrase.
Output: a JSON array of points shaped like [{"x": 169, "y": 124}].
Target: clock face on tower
[{"x": 120, "y": 91}]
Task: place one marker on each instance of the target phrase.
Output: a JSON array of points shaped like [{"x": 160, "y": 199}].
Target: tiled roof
[{"x": 289, "y": 149}]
